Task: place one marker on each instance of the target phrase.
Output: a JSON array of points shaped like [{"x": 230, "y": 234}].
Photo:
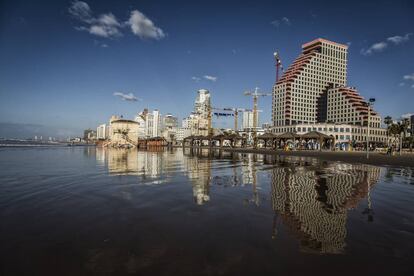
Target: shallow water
[{"x": 87, "y": 211}]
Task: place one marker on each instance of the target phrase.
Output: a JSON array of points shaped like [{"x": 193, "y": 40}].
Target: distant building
[
  {"x": 182, "y": 132},
  {"x": 89, "y": 134},
  {"x": 102, "y": 132},
  {"x": 153, "y": 124},
  {"x": 170, "y": 122},
  {"x": 266, "y": 126},
  {"x": 197, "y": 122},
  {"x": 169, "y": 128},
  {"x": 248, "y": 120},
  {"x": 150, "y": 124},
  {"x": 141, "y": 120},
  {"x": 202, "y": 103}
]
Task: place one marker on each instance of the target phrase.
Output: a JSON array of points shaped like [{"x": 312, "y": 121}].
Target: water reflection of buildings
[
  {"x": 314, "y": 204},
  {"x": 198, "y": 168},
  {"x": 159, "y": 165},
  {"x": 310, "y": 198},
  {"x": 249, "y": 174},
  {"x": 199, "y": 164},
  {"x": 148, "y": 164}
]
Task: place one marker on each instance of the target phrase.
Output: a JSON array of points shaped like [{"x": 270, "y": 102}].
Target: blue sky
[{"x": 62, "y": 61}]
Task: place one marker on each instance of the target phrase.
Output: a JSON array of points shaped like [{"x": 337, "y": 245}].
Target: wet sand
[{"x": 378, "y": 159}]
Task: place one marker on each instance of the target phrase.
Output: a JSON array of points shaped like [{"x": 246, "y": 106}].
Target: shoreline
[{"x": 377, "y": 159}]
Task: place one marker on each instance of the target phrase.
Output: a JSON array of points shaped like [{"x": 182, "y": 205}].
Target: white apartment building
[
  {"x": 313, "y": 92},
  {"x": 153, "y": 124},
  {"x": 346, "y": 105},
  {"x": 149, "y": 124},
  {"x": 248, "y": 118},
  {"x": 295, "y": 95},
  {"x": 102, "y": 132},
  {"x": 202, "y": 103},
  {"x": 197, "y": 121}
]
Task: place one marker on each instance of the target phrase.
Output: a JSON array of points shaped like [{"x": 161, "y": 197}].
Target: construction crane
[
  {"x": 278, "y": 64},
  {"x": 235, "y": 112},
  {"x": 255, "y": 96}
]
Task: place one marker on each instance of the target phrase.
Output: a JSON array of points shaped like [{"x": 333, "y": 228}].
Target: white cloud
[
  {"x": 412, "y": 85},
  {"x": 275, "y": 23},
  {"x": 81, "y": 11},
  {"x": 375, "y": 48},
  {"x": 399, "y": 39},
  {"x": 382, "y": 45},
  {"x": 104, "y": 31},
  {"x": 401, "y": 84},
  {"x": 104, "y": 45},
  {"x": 197, "y": 79},
  {"x": 278, "y": 22},
  {"x": 108, "y": 19},
  {"x": 407, "y": 115},
  {"x": 286, "y": 20},
  {"x": 126, "y": 97},
  {"x": 210, "y": 78},
  {"x": 106, "y": 25},
  {"x": 409, "y": 77},
  {"x": 143, "y": 27}
]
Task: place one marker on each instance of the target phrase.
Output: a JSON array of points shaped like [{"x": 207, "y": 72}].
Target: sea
[{"x": 103, "y": 211}]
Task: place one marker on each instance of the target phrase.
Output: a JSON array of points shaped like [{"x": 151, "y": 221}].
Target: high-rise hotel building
[{"x": 313, "y": 95}]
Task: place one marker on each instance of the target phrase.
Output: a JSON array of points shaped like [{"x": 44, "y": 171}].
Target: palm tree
[
  {"x": 388, "y": 122},
  {"x": 394, "y": 130},
  {"x": 404, "y": 127},
  {"x": 405, "y": 123}
]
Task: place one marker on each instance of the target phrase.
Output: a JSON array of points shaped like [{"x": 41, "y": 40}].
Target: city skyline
[{"x": 73, "y": 64}]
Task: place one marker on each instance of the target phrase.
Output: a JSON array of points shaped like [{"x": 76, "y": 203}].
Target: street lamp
[{"x": 368, "y": 105}]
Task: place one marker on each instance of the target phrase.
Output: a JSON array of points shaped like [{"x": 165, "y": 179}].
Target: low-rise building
[
  {"x": 343, "y": 133},
  {"x": 123, "y": 131},
  {"x": 183, "y": 132},
  {"x": 197, "y": 124}
]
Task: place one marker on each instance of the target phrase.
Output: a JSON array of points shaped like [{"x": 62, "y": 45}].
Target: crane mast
[{"x": 255, "y": 95}]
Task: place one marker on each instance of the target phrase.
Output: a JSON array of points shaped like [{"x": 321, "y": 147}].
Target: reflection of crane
[{"x": 255, "y": 96}]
